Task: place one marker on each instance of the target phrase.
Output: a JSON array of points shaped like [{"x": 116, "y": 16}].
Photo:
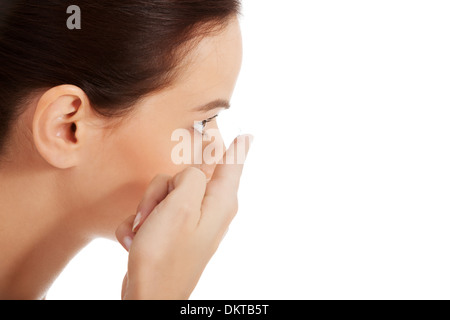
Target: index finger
[
  {"x": 227, "y": 173},
  {"x": 220, "y": 202}
]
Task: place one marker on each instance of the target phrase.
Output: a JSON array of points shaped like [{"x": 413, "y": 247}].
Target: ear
[{"x": 58, "y": 125}]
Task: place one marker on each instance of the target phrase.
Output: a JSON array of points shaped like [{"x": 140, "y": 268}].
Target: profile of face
[{"x": 107, "y": 168}]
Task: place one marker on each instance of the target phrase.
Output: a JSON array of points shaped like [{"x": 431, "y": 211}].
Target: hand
[{"x": 179, "y": 226}]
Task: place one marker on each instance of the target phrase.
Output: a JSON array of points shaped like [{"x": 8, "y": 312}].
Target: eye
[{"x": 200, "y": 126}]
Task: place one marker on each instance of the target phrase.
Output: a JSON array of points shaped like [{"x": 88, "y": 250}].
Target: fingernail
[
  {"x": 127, "y": 241},
  {"x": 137, "y": 220}
]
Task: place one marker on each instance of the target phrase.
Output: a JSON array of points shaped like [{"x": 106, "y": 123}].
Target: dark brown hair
[{"x": 125, "y": 49}]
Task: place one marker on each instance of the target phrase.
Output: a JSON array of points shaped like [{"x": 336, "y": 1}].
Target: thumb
[{"x": 125, "y": 234}]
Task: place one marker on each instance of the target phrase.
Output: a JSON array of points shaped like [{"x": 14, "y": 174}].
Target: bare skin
[
  {"x": 184, "y": 221},
  {"x": 70, "y": 176}
]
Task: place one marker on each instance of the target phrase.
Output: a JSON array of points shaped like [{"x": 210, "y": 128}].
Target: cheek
[
  {"x": 118, "y": 170},
  {"x": 141, "y": 153},
  {"x": 145, "y": 154}
]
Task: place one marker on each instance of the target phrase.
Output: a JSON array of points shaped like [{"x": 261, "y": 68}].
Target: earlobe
[{"x": 57, "y": 125}]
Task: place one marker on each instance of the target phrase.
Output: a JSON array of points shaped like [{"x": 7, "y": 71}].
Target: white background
[{"x": 345, "y": 194}]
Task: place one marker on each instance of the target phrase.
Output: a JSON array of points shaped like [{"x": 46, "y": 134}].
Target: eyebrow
[{"x": 219, "y": 103}]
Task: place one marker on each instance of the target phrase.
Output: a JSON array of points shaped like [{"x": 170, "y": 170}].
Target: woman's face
[{"x": 125, "y": 159}]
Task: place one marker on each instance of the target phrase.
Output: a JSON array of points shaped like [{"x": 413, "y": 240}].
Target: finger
[
  {"x": 229, "y": 170},
  {"x": 124, "y": 233},
  {"x": 185, "y": 200},
  {"x": 220, "y": 203},
  {"x": 155, "y": 193}
]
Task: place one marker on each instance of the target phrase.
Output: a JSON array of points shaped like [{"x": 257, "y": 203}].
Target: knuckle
[
  {"x": 187, "y": 210},
  {"x": 236, "y": 206},
  {"x": 229, "y": 205},
  {"x": 232, "y": 207}
]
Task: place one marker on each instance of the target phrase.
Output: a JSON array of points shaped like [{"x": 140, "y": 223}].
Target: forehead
[
  {"x": 213, "y": 64},
  {"x": 209, "y": 72}
]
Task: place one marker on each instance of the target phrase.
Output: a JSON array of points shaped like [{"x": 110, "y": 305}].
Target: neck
[{"x": 38, "y": 237}]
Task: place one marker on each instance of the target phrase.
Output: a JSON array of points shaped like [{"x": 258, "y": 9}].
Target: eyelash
[{"x": 201, "y": 125}]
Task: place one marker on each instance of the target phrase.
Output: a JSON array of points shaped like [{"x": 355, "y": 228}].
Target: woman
[{"x": 86, "y": 120}]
